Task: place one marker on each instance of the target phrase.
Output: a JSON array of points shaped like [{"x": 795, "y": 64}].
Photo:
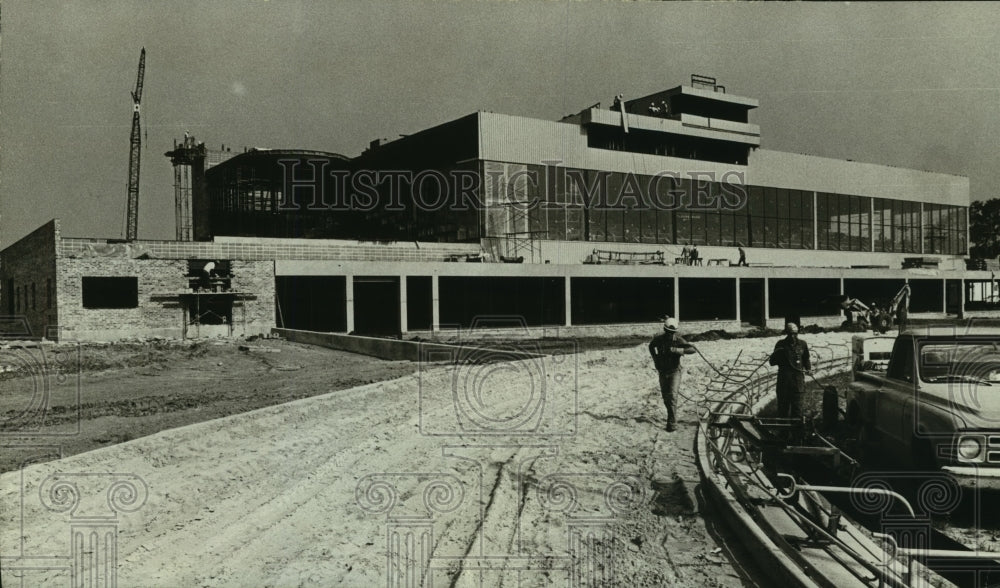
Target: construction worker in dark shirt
[
  {"x": 667, "y": 349},
  {"x": 791, "y": 355}
]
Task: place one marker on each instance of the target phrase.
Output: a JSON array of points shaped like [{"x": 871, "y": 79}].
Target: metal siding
[
  {"x": 515, "y": 139},
  {"x": 807, "y": 172}
]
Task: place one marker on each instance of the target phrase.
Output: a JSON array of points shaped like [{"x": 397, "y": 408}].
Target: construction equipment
[
  {"x": 879, "y": 319},
  {"x": 135, "y": 152}
]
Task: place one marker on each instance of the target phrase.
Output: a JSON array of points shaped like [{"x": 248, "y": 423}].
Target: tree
[{"x": 984, "y": 228}]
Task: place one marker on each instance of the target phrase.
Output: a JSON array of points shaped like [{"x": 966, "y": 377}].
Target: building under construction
[{"x": 577, "y": 224}]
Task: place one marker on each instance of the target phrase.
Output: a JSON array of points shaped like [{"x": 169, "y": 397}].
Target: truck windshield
[{"x": 960, "y": 361}]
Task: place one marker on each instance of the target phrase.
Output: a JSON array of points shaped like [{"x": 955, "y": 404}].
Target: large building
[{"x": 592, "y": 211}]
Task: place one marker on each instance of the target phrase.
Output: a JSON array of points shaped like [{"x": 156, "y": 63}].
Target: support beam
[
  {"x": 677, "y": 298},
  {"x": 815, "y": 221},
  {"x": 435, "y": 305},
  {"x": 841, "y": 293},
  {"x": 738, "y": 319},
  {"x": 961, "y": 299},
  {"x": 767, "y": 300},
  {"x": 349, "y": 297},
  {"x": 403, "y": 319},
  {"x": 568, "y": 290}
]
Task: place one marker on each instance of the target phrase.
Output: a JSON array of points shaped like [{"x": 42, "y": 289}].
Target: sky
[{"x": 911, "y": 85}]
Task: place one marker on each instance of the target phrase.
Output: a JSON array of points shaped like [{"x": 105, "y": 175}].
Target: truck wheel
[{"x": 881, "y": 324}]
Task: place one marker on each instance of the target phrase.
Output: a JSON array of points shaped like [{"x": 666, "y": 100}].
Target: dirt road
[{"x": 516, "y": 474}]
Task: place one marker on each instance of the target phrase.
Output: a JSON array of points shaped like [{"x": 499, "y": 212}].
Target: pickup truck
[{"x": 933, "y": 406}]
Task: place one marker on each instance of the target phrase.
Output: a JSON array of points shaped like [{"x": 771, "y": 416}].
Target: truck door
[{"x": 894, "y": 403}]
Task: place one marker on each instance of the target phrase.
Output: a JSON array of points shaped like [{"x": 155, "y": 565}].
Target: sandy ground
[{"x": 505, "y": 474}]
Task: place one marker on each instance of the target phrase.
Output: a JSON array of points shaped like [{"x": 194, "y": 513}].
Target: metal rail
[
  {"x": 728, "y": 396},
  {"x": 793, "y": 487}
]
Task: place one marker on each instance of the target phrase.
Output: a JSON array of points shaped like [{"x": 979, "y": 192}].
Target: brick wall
[
  {"x": 28, "y": 280},
  {"x": 256, "y": 277},
  {"x": 160, "y": 311},
  {"x": 264, "y": 250},
  {"x": 155, "y": 315}
]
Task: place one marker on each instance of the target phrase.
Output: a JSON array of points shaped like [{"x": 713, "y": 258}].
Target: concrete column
[
  {"x": 961, "y": 299},
  {"x": 738, "y": 319},
  {"x": 841, "y": 293},
  {"x": 815, "y": 221},
  {"x": 567, "y": 288},
  {"x": 920, "y": 229},
  {"x": 435, "y": 305},
  {"x": 677, "y": 297},
  {"x": 403, "y": 320},
  {"x": 349, "y": 297},
  {"x": 871, "y": 222},
  {"x": 767, "y": 300}
]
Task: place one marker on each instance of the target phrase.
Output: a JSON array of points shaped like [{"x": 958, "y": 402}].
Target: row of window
[{"x": 584, "y": 205}]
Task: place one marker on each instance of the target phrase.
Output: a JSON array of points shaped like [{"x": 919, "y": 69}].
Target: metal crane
[{"x": 135, "y": 152}]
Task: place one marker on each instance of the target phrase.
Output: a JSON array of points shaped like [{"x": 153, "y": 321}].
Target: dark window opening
[
  {"x": 211, "y": 310},
  {"x": 33, "y": 299},
  {"x": 117, "y": 292}
]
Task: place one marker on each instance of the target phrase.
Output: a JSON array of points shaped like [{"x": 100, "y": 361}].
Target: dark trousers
[
  {"x": 791, "y": 385},
  {"x": 670, "y": 383}
]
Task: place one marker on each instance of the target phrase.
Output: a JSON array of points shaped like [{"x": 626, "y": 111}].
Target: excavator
[{"x": 861, "y": 316}]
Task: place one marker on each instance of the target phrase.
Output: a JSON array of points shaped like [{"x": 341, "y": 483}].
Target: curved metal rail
[{"x": 783, "y": 534}]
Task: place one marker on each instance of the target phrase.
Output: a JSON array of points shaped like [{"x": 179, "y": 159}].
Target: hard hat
[{"x": 670, "y": 324}]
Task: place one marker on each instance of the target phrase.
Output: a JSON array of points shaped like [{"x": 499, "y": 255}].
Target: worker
[
  {"x": 667, "y": 349},
  {"x": 743, "y": 257},
  {"x": 686, "y": 254},
  {"x": 791, "y": 355},
  {"x": 695, "y": 256},
  {"x": 207, "y": 273}
]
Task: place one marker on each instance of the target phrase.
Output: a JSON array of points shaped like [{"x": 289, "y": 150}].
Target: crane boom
[{"x": 135, "y": 153}]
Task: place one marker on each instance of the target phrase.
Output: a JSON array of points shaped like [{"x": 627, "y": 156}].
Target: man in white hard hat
[
  {"x": 667, "y": 349},
  {"x": 791, "y": 355}
]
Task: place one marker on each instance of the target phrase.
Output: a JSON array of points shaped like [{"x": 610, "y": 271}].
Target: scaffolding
[{"x": 184, "y": 157}]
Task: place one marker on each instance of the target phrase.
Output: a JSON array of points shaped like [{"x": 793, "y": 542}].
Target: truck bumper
[{"x": 973, "y": 477}]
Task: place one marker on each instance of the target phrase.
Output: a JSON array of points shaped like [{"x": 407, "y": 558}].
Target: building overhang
[{"x": 683, "y": 124}]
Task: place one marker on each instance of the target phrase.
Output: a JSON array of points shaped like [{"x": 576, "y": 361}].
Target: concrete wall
[
  {"x": 822, "y": 174},
  {"x": 29, "y": 265},
  {"x": 391, "y": 349},
  {"x": 516, "y": 139},
  {"x": 574, "y": 252}
]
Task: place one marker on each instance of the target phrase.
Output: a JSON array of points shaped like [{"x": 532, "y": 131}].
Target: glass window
[
  {"x": 556, "y": 228},
  {"x": 574, "y": 223},
  {"x": 631, "y": 225},
  {"x": 770, "y": 232},
  {"x": 698, "y": 227},
  {"x": 648, "y": 222},
  {"x": 727, "y": 228},
  {"x": 682, "y": 218},
  {"x": 664, "y": 226},
  {"x": 597, "y": 225},
  {"x": 713, "y": 227},
  {"x": 741, "y": 222},
  {"x": 615, "y": 226}
]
